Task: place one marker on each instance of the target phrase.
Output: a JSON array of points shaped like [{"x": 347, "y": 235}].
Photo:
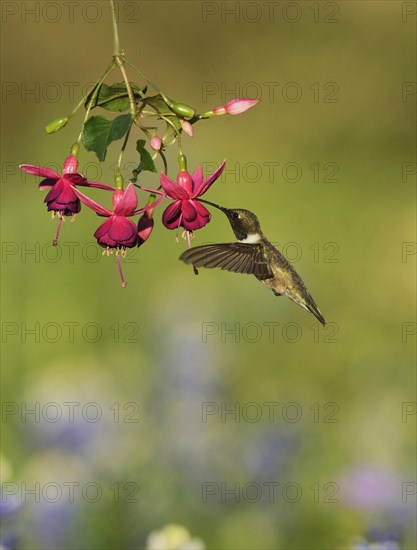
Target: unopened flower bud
[
  {"x": 187, "y": 127},
  {"x": 56, "y": 125},
  {"x": 182, "y": 110},
  {"x": 156, "y": 143},
  {"x": 235, "y": 106},
  {"x": 145, "y": 226}
]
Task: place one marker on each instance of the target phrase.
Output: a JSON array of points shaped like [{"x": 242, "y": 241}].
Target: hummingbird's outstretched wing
[{"x": 237, "y": 257}]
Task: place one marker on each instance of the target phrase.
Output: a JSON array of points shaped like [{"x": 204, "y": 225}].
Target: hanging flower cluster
[{"x": 119, "y": 232}]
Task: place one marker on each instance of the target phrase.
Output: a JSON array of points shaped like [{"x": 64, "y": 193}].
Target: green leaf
[
  {"x": 99, "y": 132},
  {"x": 159, "y": 105},
  {"x": 146, "y": 162},
  {"x": 115, "y": 98}
]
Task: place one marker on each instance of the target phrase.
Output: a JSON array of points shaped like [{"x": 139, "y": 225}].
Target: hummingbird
[{"x": 253, "y": 254}]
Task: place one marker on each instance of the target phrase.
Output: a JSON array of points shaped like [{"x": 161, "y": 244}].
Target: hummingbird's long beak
[{"x": 215, "y": 205}]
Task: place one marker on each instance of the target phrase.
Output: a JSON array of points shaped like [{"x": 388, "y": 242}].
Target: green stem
[
  {"x": 94, "y": 95},
  {"x": 116, "y": 43},
  {"x": 121, "y": 64},
  {"x": 180, "y": 151},
  {"x": 164, "y": 160},
  {"x": 148, "y": 80},
  {"x": 168, "y": 121},
  {"x": 80, "y": 104},
  {"x": 122, "y": 150}
]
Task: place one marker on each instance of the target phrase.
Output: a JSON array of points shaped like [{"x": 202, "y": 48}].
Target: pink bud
[
  {"x": 156, "y": 143},
  {"x": 145, "y": 226},
  {"x": 236, "y": 106},
  {"x": 187, "y": 127}
]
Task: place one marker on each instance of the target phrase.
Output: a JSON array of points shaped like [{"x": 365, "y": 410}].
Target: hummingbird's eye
[{"x": 235, "y": 214}]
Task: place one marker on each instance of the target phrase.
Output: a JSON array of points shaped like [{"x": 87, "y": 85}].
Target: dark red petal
[
  {"x": 75, "y": 179},
  {"x": 102, "y": 236},
  {"x": 123, "y": 231},
  {"x": 55, "y": 191},
  {"x": 126, "y": 206},
  {"x": 67, "y": 209},
  {"x": 197, "y": 178},
  {"x": 97, "y": 185},
  {"x": 47, "y": 183},
  {"x": 188, "y": 211},
  {"x": 103, "y": 229},
  {"x": 148, "y": 206},
  {"x": 202, "y": 218},
  {"x": 39, "y": 171},
  {"x": 148, "y": 190},
  {"x": 205, "y": 185},
  {"x": 172, "y": 189},
  {"x": 66, "y": 196},
  {"x": 92, "y": 204},
  {"x": 171, "y": 215},
  {"x": 62, "y": 198},
  {"x": 201, "y": 210},
  {"x": 145, "y": 227}
]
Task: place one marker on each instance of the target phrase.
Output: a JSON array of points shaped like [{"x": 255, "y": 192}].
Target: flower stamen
[
  {"x": 178, "y": 229},
  {"x": 55, "y": 241},
  {"x": 119, "y": 265}
]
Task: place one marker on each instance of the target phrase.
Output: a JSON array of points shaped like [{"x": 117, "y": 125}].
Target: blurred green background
[{"x": 339, "y": 445}]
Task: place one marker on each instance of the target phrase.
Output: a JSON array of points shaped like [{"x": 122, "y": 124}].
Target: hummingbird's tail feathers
[
  {"x": 306, "y": 301},
  {"x": 312, "y": 306}
]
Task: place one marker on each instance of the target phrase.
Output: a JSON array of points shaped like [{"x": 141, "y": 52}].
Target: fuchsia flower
[
  {"x": 235, "y": 106},
  {"x": 118, "y": 231},
  {"x": 145, "y": 226},
  {"x": 62, "y": 198},
  {"x": 186, "y": 211}
]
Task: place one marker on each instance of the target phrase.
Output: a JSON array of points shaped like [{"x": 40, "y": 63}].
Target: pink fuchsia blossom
[
  {"x": 62, "y": 198},
  {"x": 118, "y": 231},
  {"x": 186, "y": 211},
  {"x": 236, "y": 106}
]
